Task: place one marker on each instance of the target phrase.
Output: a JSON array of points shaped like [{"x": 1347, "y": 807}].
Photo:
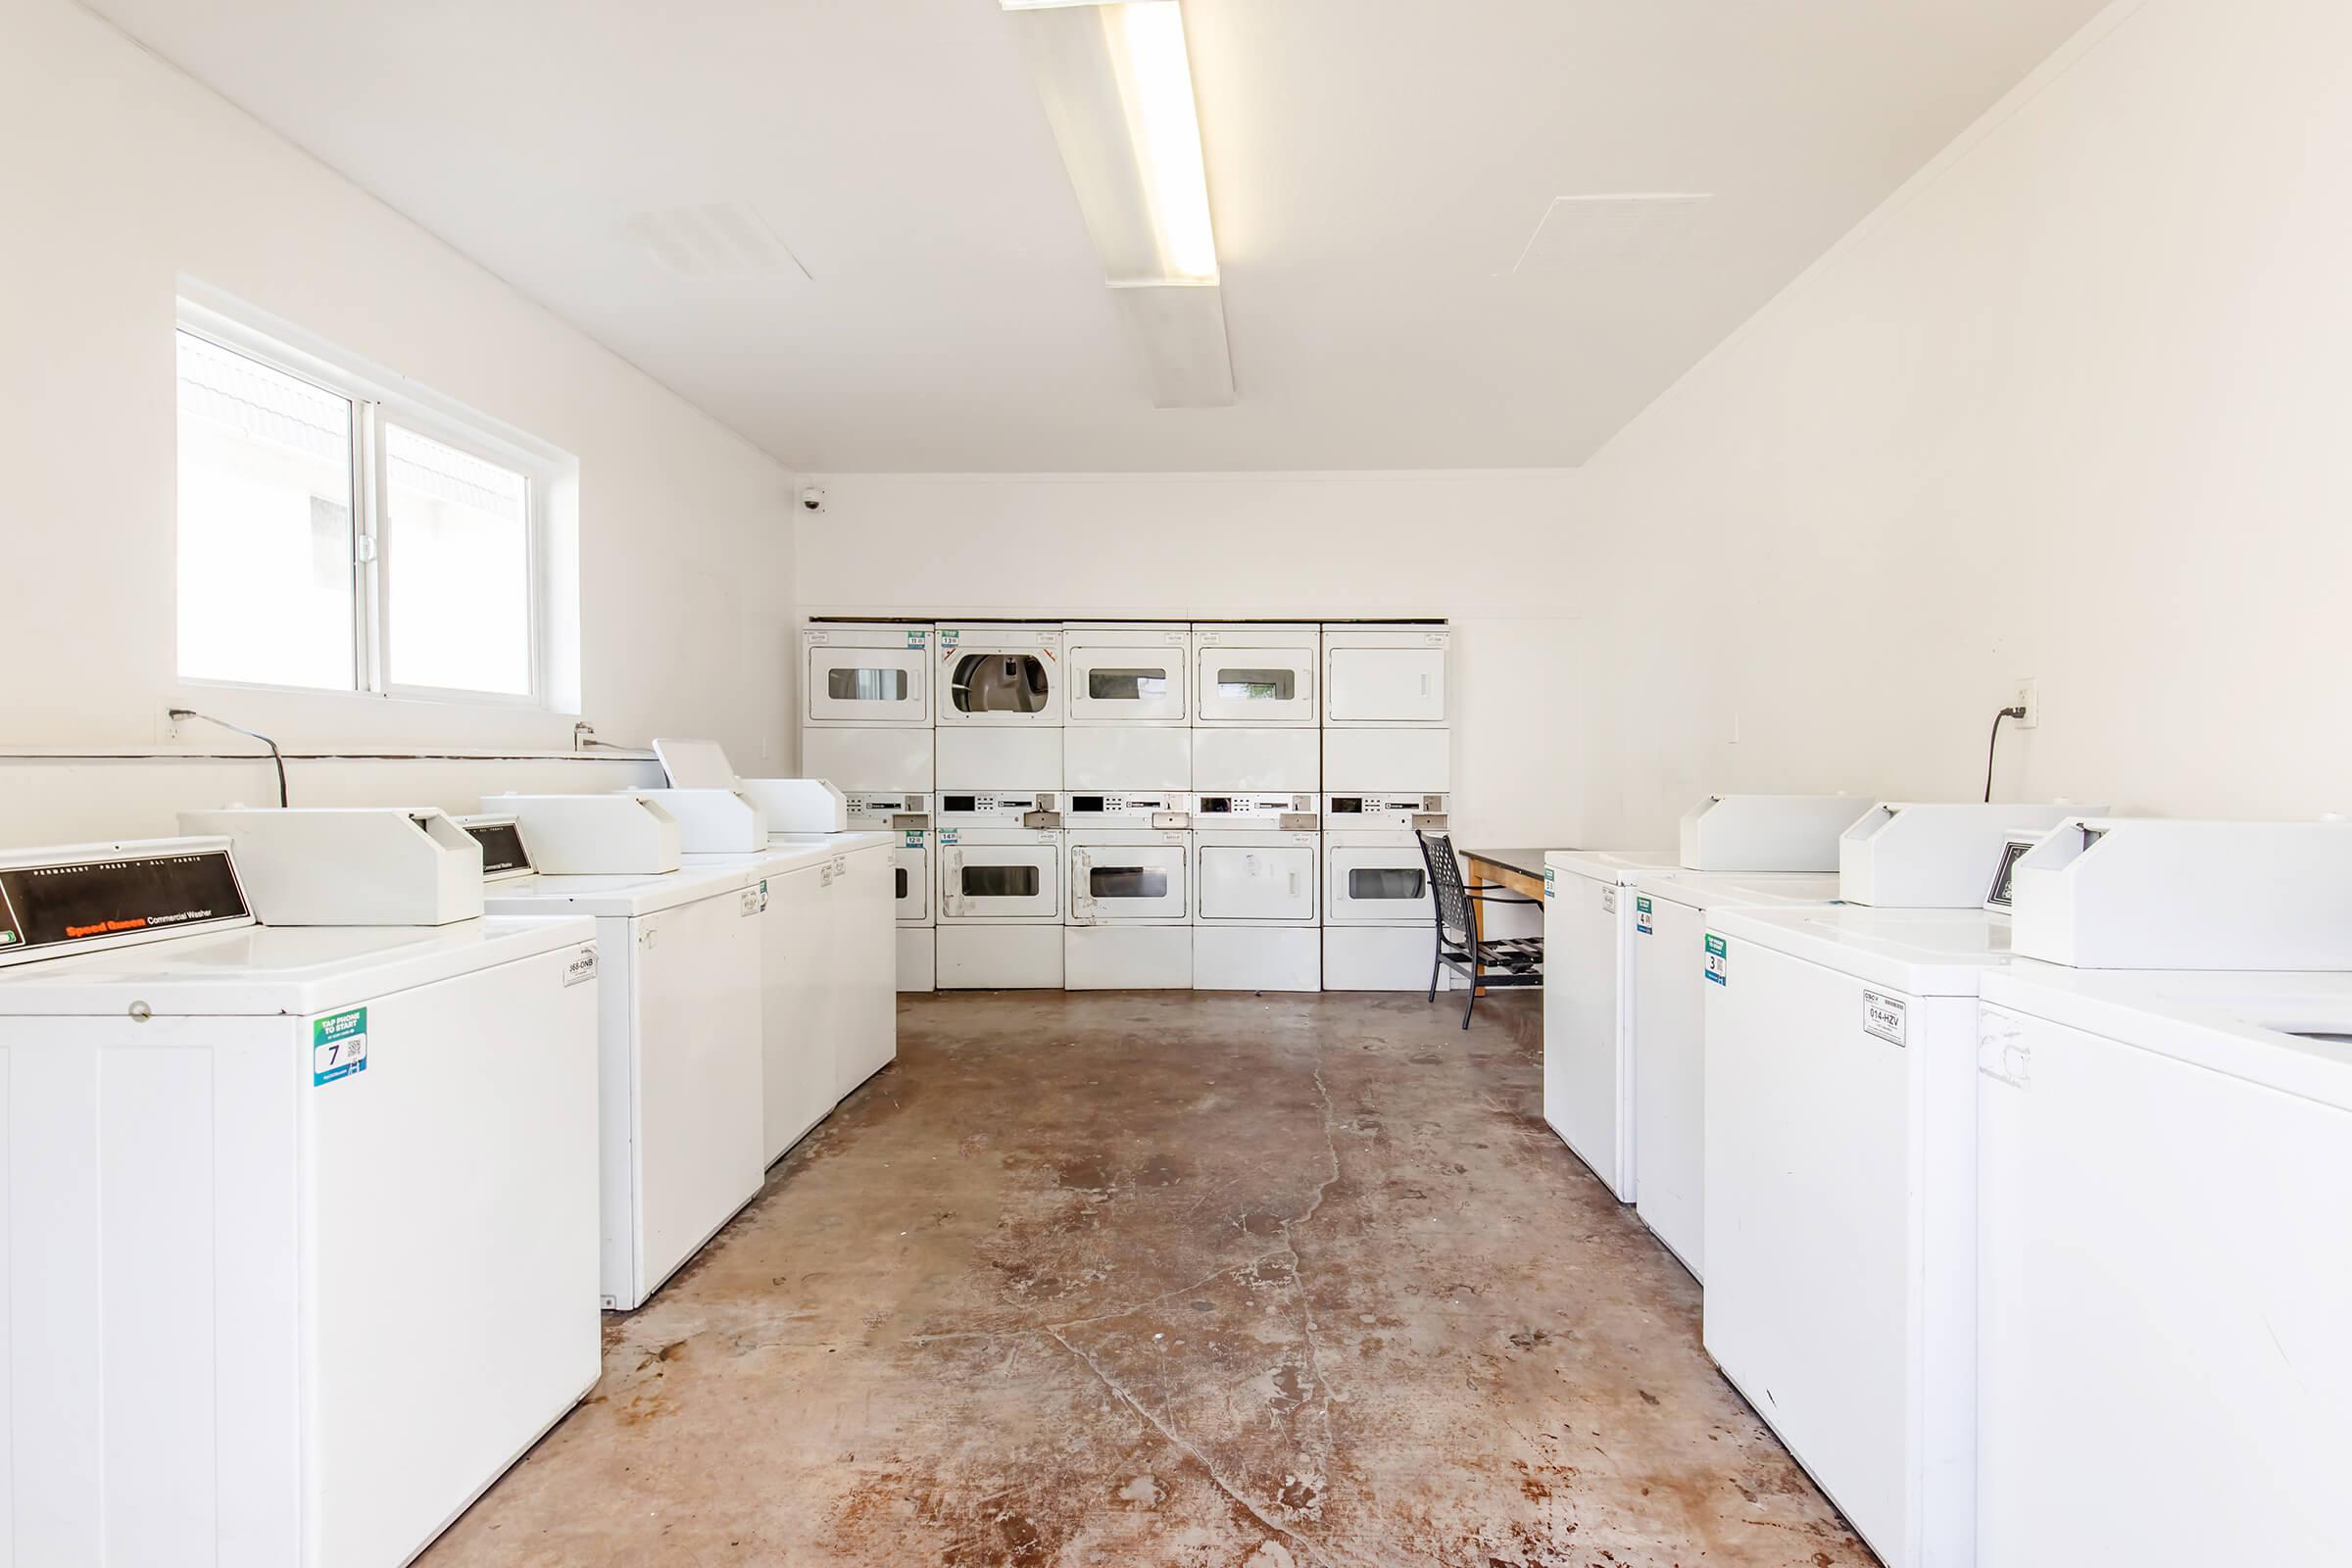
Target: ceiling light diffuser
[{"x": 1118, "y": 88}]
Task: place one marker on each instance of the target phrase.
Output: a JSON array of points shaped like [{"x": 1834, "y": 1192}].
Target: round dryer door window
[{"x": 999, "y": 683}]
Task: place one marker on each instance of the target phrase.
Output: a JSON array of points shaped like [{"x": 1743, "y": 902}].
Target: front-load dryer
[
  {"x": 1257, "y": 884},
  {"x": 906, "y": 816},
  {"x": 1256, "y": 722},
  {"x": 1001, "y": 903},
  {"x": 1129, "y": 708},
  {"x": 1129, "y": 872},
  {"x": 867, "y": 696},
  {"x": 1386, "y": 718},
  {"x": 1379, "y": 920},
  {"x": 1001, "y": 705}
]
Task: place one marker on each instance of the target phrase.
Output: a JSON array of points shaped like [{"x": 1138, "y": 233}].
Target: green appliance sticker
[
  {"x": 1642, "y": 916},
  {"x": 1718, "y": 960},
  {"x": 338, "y": 1045}
]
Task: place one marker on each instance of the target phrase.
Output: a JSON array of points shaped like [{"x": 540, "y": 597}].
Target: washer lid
[
  {"x": 1732, "y": 890},
  {"x": 1924, "y": 952},
  {"x": 273, "y": 970},
  {"x": 2287, "y": 1031},
  {"x": 816, "y": 846},
  {"x": 1608, "y": 866},
  {"x": 620, "y": 893},
  {"x": 774, "y": 860}
]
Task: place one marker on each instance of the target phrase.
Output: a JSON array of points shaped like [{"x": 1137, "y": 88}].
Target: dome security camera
[{"x": 813, "y": 499}]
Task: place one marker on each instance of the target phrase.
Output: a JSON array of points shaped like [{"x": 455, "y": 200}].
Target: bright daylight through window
[{"x": 295, "y": 570}]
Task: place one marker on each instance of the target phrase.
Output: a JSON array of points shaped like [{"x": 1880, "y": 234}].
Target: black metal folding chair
[{"x": 1495, "y": 962}]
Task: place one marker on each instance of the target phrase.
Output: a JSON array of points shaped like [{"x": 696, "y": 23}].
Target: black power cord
[
  {"x": 1995, "y": 745},
  {"x": 276, "y": 755}
]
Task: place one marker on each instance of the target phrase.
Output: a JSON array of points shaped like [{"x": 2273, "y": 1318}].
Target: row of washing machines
[
  {"x": 1224, "y": 806},
  {"x": 2012, "y": 1146},
  {"x": 328, "y": 1133}
]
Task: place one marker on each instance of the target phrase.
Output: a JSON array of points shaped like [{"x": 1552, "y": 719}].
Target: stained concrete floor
[{"x": 1171, "y": 1279}]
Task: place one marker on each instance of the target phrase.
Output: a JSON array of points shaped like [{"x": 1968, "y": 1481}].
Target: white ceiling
[{"x": 1381, "y": 175}]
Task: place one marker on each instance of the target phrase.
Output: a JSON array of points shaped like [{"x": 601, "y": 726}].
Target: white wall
[
  {"x": 1497, "y": 553},
  {"x": 122, "y": 175},
  {"x": 2073, "y": 405}
]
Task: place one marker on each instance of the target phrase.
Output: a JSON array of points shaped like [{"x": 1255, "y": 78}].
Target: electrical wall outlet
[{"x": 2028, "y": 696}]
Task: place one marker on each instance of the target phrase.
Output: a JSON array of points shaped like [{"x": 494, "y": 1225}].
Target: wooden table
[{"x": 1520, "y": 871}]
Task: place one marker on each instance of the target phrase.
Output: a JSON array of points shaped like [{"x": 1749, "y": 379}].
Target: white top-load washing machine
[
  {"x": 1386, "y": 723},
  {"x": 678, "y": 1025},
  {"x": 1592, "y": 1079},
  {"x": 298, "y": 1237},
  {"x": 830, "y": 886},
  {"x": 1000, "y": 690},
  {"x": 1129, "y": 708},
  {"x": 1841, "y": 1167},
  {"x": 1257, "y": 879},
  {"x": 866, "y": 703},
  {"x": 1379, "y": 920},
  {"x": 1588, "y": 991},
  {"x": 1000, "y": 891},
  {"x": 1256, "y": 720},
  {"x": 1669, "y": 1019},
  {"x": 1128, "y": 864},
  {"x": 2165, "y": 1199}
]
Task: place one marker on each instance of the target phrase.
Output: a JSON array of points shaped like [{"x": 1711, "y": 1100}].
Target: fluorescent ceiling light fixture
[{"x": 1118, "y": 88}]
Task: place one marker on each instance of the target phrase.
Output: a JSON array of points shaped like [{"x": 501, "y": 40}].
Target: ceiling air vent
[
  {"x": 1582, "y": 231},
  {"x": 720, "y": 241}
]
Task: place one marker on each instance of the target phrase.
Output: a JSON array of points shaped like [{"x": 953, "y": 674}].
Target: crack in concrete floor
[{"x": 1267, "y": 1330}]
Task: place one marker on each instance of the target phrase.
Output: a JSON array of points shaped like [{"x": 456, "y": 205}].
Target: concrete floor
[{"x": 1171, "y": 1279}]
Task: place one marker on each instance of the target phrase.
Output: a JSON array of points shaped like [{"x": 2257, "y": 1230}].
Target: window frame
[{"x": 378, "y": 400}]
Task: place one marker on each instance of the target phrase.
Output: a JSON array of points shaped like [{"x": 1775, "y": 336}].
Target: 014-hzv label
[
  {"x": 1642, "y": 914},
  {"x": 1887, "y": 1017}
]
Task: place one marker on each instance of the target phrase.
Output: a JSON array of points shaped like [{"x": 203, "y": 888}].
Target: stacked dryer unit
[
  {"x": 999, "y": 705},
  {"x": 1387, "y": 746},
  {"x": 1257, "y": 724},
  {"x": 1128, "y": 708},
  {"x": 1127, "y": 761},
  {"x": 867, "y": 697},
  {"x": 1128, "y": 867},
  {"x": 1379, "y": 920},
  {"x": 1000, "y": 891},
  {"x": 972, "y": 736},
  {"x": 1257, "y": 875},
  {"x": 1000, "y": 701},
  {"x": 906, "y": 816}
]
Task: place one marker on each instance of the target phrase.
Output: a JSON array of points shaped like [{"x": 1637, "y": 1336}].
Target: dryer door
[
  {"x": 1111, "y": 882},
  {"x": 1376, "y": 885},
  {"x": 868, "y": 685},
  {"x": 1272, "y": 686},
  {"x": 1110, "y": 685},
  {"x": 1000, "y": 881},
  {"x": 998, "y": 686},
  {"x": 1386, "y": 685},
  {"x": 1273, "y": 881},
  {"x": 910, "y": 899}
]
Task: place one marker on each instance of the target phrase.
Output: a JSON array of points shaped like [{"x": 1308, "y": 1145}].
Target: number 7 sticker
[{"x": 338, "y": 1045}]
